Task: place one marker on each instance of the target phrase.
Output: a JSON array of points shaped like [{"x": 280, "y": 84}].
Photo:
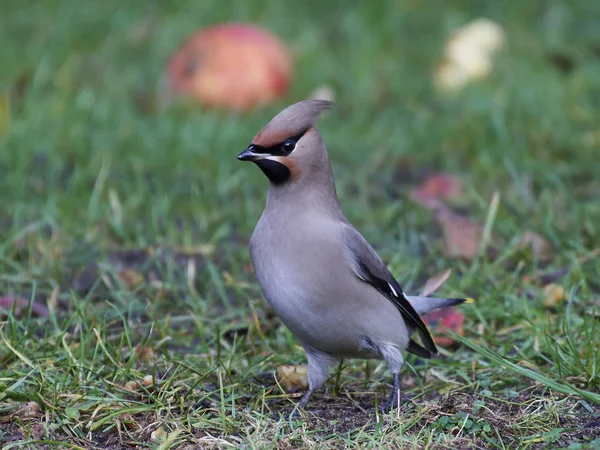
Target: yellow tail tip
[{"x": 469, "y": 300}]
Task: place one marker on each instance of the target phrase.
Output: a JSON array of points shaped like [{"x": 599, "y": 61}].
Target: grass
[{"x": 130, "y": 223}]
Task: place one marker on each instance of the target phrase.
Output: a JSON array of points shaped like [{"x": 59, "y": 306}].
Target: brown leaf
[
  {"x": 553, "y": 295},
  {"x": 147, "y": 381},
  {"x": 540, "y": 247},
  {"x": 445, "y": 318},
  {"x": 545, "y": 278},
  {"x": 527, "y": 365},
  {"x": 131, "y": 386},
  {"x": 293, "y": 377},
  {"x": 128, "y": 421},
  {"x": 435, "y": 282},
  {"x": 22, "y": 304},
  {"x": 130, "y": 278},
  {"x": 462, "y": 234},
  {"x": 29, "y": 410},
  {"x": 144, "y": 353},
  {"x": 159, "y": 434},
  {"x": 438, "y": 186},
  {"x": 35, "y": 431}
]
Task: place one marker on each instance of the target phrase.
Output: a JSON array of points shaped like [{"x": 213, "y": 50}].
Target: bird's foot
[
  {"x": 299, "y": 408},
  {"x": 296, "y": 413},
  {"x": 391, "y": 403}
]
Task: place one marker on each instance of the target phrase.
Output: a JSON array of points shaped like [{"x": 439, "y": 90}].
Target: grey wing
[{"x": 369, "y": 268}]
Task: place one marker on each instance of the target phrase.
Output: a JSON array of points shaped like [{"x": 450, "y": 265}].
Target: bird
[{"x": 316, "y": 271}]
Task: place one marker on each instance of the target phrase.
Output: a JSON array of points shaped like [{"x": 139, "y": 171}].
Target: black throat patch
[{"x": 276, "y": 172}]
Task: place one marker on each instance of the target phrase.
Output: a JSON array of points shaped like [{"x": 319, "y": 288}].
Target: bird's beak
[{"x": 249, "y": 155}]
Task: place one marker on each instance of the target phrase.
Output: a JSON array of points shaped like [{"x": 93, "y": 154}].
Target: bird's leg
[
  {"x": 302, "y": 403},
  {"x": 394, "y": 399},
  {"x": 395, "y": 362},
  {"x": 319, "y": 364}
]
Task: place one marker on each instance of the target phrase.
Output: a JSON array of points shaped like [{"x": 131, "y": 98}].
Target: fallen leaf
[
  {"x": 438, "y": 186},
  {"x": 553, "y": 295},
  {"x": 128, "y": 421},
  {"x": 130, "y": 278},
  {"x": 293, "y": 377},
  {"x": 21, "y": 305},
  {"x": 147, "y": 381},
  {"x": 144, "y": 353},
  {"x": 545, "y": 278},
  {"x": 29, "y": 410},
  {"x": 435, "y": 282},
  {"x": 159, "y": 434},
  {"x": 449, "y": 318},
  {"x": 462, "y": 235},
  {"x": 527, "y": 365},
  {"x": 35, "y": 430},
  {"x": 131, "y": 386},
  {"x": 540, "y": 247},
  {"x": 576, "y": 380},
  {"x": 468, "y": 54}
]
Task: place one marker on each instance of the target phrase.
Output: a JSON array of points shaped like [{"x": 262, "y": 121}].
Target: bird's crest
[{"x": 292, "y": 121}]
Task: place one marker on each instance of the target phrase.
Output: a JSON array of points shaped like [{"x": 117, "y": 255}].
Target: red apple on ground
[{"x": 233, "y": 65}]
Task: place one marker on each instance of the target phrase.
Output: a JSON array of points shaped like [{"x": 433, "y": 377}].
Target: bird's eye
[{"x": 288, "y": 146}]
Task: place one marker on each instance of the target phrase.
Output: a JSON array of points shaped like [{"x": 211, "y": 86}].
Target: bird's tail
[{"x": 424, "y": 304}]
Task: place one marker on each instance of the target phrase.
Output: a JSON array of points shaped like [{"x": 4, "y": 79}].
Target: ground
[{"x": 130, "y": 314}]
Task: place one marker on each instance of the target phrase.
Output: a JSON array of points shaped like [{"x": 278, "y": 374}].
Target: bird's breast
[
  {"x": 293, "y": 269},
  {"x": 304, "y": 276}
]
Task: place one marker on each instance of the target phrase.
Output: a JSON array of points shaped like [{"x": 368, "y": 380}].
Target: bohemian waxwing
[{"x": 318, "y": 273}]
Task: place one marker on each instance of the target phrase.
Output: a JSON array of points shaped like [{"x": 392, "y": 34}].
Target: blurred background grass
[
  {"x": 91, "y": 162},
  {"x": 86, "y": 126}
]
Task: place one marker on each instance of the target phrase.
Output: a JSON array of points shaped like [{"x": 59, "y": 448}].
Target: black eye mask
[{"x": 282, "y": 149}]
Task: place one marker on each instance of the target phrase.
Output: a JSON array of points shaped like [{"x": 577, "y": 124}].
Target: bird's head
[{"x": 289, "y": 148}]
